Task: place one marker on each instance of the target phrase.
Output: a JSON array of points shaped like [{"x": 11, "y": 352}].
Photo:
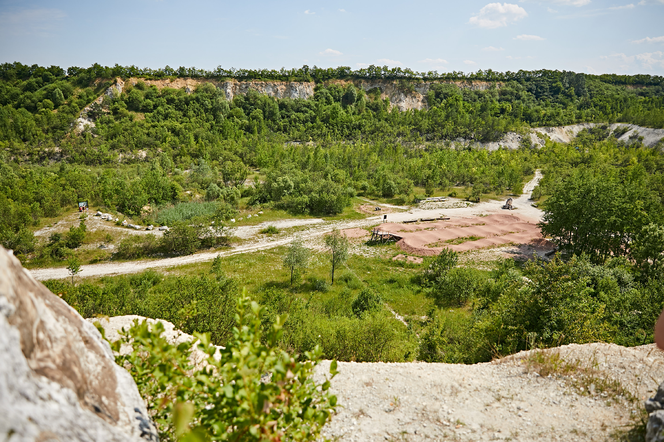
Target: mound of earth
[
  {"x": 596, "y": 394},
  {"x": 461, "y": 235}
]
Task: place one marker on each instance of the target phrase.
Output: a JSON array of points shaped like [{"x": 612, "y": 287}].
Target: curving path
[{"x": 319, "y": 228}]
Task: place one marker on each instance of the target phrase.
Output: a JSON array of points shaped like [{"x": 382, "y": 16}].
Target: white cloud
[
  {"x": 331, "y": 52},
  {"x": 492, "y": 49},
  {"x": 526, "y": 37},
  {"x": 470, "y": 62},
  {"x": 510, "y": 57},
  {"x": 308, "y": 12},
  {"x": 434, "y": 61},
  {"x": 650, "y": 40},
  {"x": 647, "y": 60},
  {"x": 342, "y": 10},
  {"x": 496, "y": 15},
  {"x": 551, "y": 11},
  {"x": 650, "y": 59},
  {"x": 616, "y": 8},
  {"x": 362, "y": 65},
  {"x": 387, "y": 61},
  {"x": 651, "y": 2}
]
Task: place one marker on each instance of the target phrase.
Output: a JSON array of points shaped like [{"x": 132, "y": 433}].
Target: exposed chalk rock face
[{"x": 58, "y": 377}]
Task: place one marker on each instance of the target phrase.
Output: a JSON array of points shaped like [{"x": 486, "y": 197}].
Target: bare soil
[
  {"x": 506, "y": 399},
  {"x": 429, "y": 238}
]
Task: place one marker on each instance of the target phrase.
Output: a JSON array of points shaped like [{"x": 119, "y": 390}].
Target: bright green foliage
[
  {"x": 75, "y": 236},
  {"x": 366, "y": 301},
  {"x": 338, "y": 245},
  {"x": 74, "y": 267},
  {"x": 187, "y": 211},
  {"x": 296, "y": 259},
  {"x": 445, "y": 261},
  {"x": 598, "y": 211},
  {"x": 253, "y": 392},
  {"x": 648, "y": 249}
]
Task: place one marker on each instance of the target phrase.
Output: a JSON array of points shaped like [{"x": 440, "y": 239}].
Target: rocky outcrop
[
  {"x": 58, "y": 377},
  {"x": 655, "y": 409},
  {"x": 113, "y": 325},
  {"x": 412, "y": 97},
  {"x": 565, "y": 134}
]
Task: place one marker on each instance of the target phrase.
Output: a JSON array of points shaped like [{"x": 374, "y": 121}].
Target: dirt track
[{"x": 523, "y": 206}]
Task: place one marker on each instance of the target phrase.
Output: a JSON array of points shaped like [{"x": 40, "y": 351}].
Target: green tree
[
  {"x": 57, "y": 97},
  {"x": 598, "y": 212},
  {"x": 338, "y": 245},
  {"x": 296, "y": 259},
  {"x": 74, "y": 267},
  {"x": 648, "y": 249},
  {"x": 445, "y": 261},
  {"x": 75, "y": 236}
]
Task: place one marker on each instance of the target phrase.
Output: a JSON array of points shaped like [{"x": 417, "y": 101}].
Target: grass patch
[
  {"x": 185, "y": 212},
  {"x": 583, "y": 376},
  {"x": 270, "y": 230}
]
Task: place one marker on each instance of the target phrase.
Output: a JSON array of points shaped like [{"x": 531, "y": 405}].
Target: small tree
[
  {"x": 296, "y": 259},
  {"x": 338, "y": 245},
  {"x": 439, "y": 266},
  {"x": 74, "y": 267}
]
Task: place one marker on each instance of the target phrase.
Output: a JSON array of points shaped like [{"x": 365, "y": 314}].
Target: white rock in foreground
[
  {"x": 58, "y": 378},
  {"x": 500, "y": 400}
]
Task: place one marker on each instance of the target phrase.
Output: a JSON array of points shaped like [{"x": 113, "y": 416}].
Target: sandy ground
[
  {"x": 429, "y": 238},
  {"x": 501, "y": 400},
  {"x": 524, "y": 211}
]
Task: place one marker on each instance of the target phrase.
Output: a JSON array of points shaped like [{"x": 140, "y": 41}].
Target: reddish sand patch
[
  {"x": 429, "y": 238},
  {"x": 355, "y": 233}
]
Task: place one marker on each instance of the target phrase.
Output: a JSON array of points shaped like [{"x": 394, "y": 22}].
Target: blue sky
[{"x": 592, "y": 36}]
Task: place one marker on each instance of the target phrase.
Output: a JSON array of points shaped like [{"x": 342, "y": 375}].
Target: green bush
[
  {"x": 75, "y": 236},
  {"x": 137, "y": 246},
  {"x": 181, "y": 239},
  {"x": 366, "y": 301},
  {"x": 272, "y": 396},
  {"x": 185, "y": 212}
]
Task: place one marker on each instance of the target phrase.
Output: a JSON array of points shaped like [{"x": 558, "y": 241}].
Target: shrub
[
  {"x": 185, "y": 212},
  {"x": 137, "y": 246},
  {"x": 75, "y": 236},
  {"x": 181, "y": 239},
  {"x": 456, "y": 287},
  {"x": 270, "y": 230},
  {"x": 439, "y": 266},
  {"x": 218, "y": 401},
  {"x": 366, "y": 301},
  {"x": 320, "y": 285}
]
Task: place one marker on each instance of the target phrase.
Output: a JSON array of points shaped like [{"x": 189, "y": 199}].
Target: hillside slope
[{"x": 570, "y": 393}]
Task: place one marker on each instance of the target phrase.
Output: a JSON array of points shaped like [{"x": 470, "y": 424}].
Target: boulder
[
  {"x": 58, "y": 377},
  {"x": 655, "y": 408}
]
